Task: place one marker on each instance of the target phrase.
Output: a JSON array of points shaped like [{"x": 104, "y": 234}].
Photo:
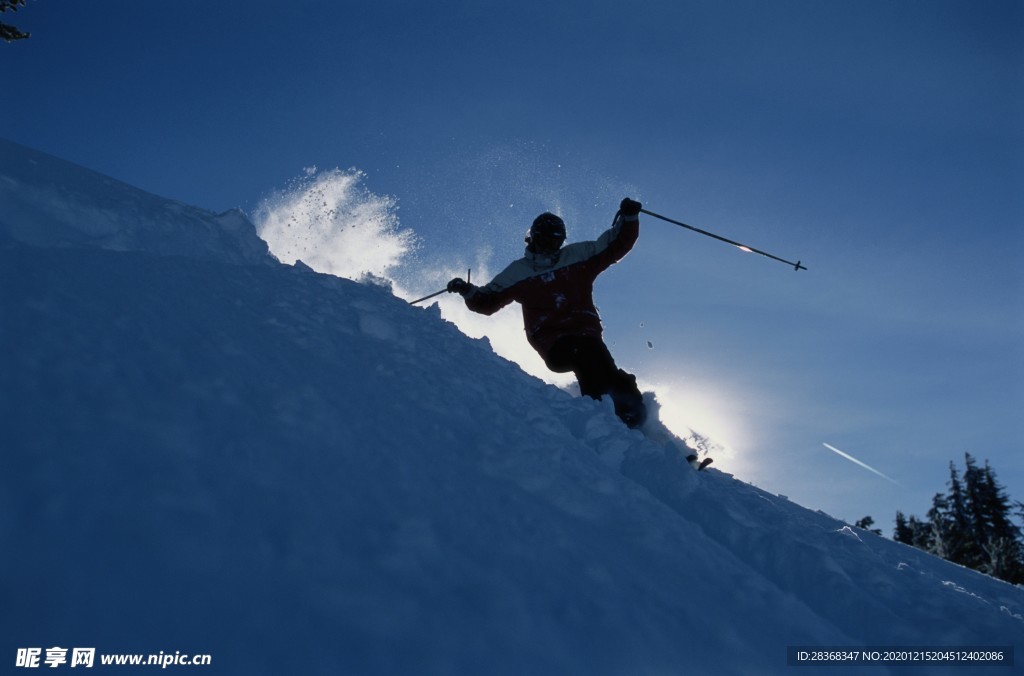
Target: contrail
[{"x": 855, "y": 460}]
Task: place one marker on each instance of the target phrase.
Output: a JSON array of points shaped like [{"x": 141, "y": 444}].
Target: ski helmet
[{"x": 548, "y": 231}]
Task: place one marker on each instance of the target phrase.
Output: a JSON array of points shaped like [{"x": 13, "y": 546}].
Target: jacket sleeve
[
  {"x": 487, "y": 300},
  {"x": 502, "y": 290},
  {"x": 613, "y": 245}
]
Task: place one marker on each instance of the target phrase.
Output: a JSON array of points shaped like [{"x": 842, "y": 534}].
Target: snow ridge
[{"x": 49, "y": 202}]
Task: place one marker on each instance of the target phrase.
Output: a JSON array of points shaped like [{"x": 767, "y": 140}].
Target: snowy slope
[
  {"x": 295, "y": 473},
  {"x": 45, "y": 201}
]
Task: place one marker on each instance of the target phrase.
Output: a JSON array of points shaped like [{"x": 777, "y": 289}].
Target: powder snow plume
[{"x": 333, "y": 224}]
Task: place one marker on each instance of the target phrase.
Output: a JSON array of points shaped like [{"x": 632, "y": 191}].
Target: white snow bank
[
  {"x": 45, "y": 201},
  {"x": 284, "y": 469}
]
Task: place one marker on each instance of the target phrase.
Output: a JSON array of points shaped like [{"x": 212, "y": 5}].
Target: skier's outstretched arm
[
  {"x": 484, "y": 300},
  {"x": 619, "y": 239}
]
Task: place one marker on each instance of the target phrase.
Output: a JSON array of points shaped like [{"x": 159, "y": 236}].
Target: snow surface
[
  {"x": 48, "y": 202},
  {"x": 211, "y": 452}
]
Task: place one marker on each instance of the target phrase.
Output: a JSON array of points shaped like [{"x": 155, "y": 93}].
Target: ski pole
[
  {"x": 469, "y": 274},
  {"x": 742, "y": 247},
  {"x": 413, "y": 302}
]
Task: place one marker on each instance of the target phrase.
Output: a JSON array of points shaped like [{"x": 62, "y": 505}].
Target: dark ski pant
[{"x": 589, "y": 359}]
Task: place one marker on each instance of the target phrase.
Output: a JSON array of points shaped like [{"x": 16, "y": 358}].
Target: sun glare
[{"x": 700, "y": 409}]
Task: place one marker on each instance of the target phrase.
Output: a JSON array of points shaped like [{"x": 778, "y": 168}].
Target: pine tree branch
[{"x": 9, "y": 33}]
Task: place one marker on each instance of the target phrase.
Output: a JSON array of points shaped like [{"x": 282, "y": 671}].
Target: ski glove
[
  {"x": 630, "y": 207},
  {"x": 459, "y": 285}
]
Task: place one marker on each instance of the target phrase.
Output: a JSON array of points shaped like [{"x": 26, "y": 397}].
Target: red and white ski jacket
[{"x": 557, "y": 291}]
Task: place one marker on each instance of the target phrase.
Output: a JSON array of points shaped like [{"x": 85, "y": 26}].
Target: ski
[{"x": 692, "y": 459}]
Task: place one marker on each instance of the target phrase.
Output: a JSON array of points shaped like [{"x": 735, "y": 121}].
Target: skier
[{"x": 555, "y": 287}]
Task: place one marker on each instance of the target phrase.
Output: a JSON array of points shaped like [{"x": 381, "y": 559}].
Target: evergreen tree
[
  {"x": 974, "y": 500},
  {"x": 1004, "y": 550},
  {"x": 866, "y": 524},
  {"x": 922, "y": 535},
  {"x": 941, "y": 528},
  {"x": 8, "y": 32},
  {"x": 971, "y": 525},
  {"x": 961, "y": 543},
  {"x": 903, "y": 533}
]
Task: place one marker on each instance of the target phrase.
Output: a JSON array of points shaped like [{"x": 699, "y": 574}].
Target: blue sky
[{"x": 881, "y": 143}]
